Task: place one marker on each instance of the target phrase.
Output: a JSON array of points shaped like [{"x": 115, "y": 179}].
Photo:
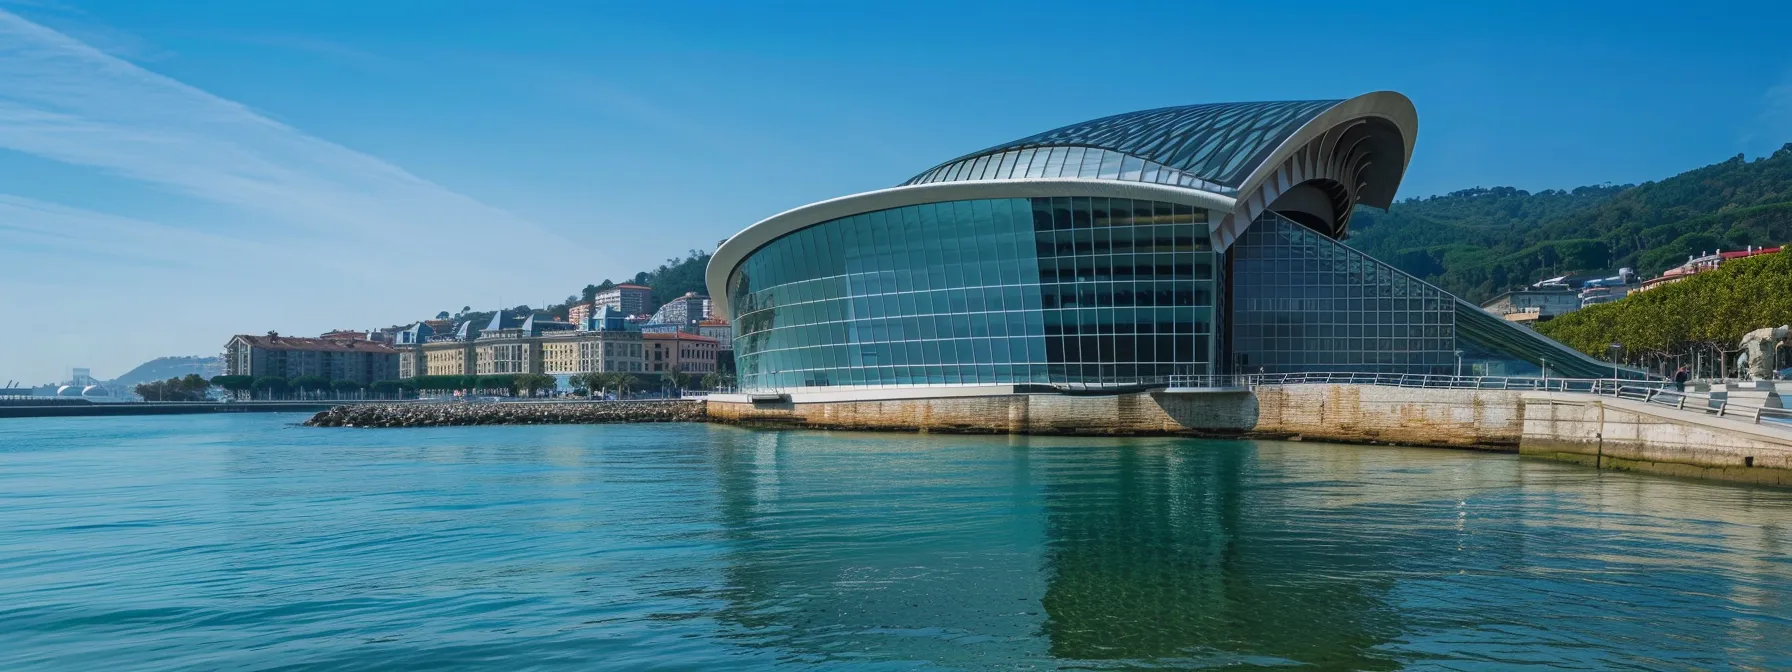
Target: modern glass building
[{"x": 1110, "y": 255}]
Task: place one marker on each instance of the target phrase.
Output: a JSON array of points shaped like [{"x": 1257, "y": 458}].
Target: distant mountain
[
  {"x": 1478, "y": 242},
  {"x": 163, "y": 368}
]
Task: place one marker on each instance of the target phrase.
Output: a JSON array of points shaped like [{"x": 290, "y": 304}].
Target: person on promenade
[{"x": 1680, "y": 377}]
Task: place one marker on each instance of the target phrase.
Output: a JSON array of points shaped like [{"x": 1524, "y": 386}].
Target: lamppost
[
  {"x": 1458, "y": 362},
  {"x": 1615, "y": 349},
  {"x": 1545, "y": 361}
]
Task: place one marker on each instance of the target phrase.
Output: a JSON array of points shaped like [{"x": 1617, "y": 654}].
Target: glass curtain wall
[
  {"x": 1066, "y": 291},
  {"x": 1303, "y": 302}
]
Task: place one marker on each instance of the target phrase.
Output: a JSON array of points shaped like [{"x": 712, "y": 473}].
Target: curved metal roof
[{"x": 1212, "y": 147}]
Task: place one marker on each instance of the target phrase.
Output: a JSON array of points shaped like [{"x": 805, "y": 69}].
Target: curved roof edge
[
  {"x": 736, "y": 248},
  {"x": 1389, "y": 105},
  {"x": 1302, "y": 154}
]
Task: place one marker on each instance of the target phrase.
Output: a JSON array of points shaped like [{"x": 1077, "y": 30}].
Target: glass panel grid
[{"x": 1066, "y": 291}]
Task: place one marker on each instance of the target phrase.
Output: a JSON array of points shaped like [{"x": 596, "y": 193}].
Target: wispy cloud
[
  {"x": 271, "y": 197},
  {"x": 63, "y": 100}
]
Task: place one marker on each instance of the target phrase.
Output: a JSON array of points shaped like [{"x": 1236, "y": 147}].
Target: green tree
[
  {"x": 531, "y": 383},
  {"x": 499, "y": 384},
  {"x": 236, "y": 385},
  {"x": 623, "y": 383},
  {"x": 269, "y": 387},
  {"x": 345, "y": 388},
  {"x": 386, "y": 389},
  {"x": 711, "y": 381},
  {"x": 1701, "y": 318},
  {"x": 678, "y": 379},
  {"x": 309, "y": 385}
]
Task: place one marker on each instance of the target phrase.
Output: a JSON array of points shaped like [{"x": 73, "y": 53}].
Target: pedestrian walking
[{"x": 1680, "y": 377}]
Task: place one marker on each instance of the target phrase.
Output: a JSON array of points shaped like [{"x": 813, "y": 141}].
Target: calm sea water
[{"x": 243, "y": 542}]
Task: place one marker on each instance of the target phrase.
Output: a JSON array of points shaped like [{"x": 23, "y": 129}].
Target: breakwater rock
[{"x": 448, "y": 414}]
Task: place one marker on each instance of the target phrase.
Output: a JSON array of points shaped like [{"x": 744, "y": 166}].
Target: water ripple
[{"x": 243, "y": 543}]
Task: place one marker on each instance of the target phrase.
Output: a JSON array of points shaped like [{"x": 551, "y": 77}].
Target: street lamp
[
  {"x": 1615, "y": 349},
  {"x": 1458, "y": 362}
]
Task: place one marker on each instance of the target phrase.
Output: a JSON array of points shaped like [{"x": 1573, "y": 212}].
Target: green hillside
[
  {"x": 1478, "y": 242},
  {"x": 163, "y": 368}
]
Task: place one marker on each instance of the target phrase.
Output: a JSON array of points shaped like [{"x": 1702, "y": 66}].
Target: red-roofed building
[
  {"x": 289, "y": 357},
  {"x": 1700, "y": 264},
  {"x": 689, "y": 353}
]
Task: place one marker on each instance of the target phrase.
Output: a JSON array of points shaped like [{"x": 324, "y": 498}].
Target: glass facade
[
  {"x": 1302, "y": 302},
  {"x": 1215, "y": 144},
  {"x": 1067, "y": 291}
]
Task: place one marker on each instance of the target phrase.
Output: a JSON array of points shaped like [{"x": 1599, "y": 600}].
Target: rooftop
[
  {"x": 677, "y": 335},
  {"x": 278, "y": 342}
]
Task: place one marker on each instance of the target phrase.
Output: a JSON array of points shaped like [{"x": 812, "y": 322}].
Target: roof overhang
[
  {"x": 1363, "y": 144},
  {"x": 736, "y": 248}
]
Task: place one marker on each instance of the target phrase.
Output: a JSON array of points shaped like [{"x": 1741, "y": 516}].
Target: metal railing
[
  {"x": 1702, "y": 401},
  {"x": 1442, "y": 382}
]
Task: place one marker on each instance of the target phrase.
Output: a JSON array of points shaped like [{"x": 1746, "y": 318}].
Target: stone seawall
[
  {"x": 447, "y": 414},
  {"x": 1630, "y": 435},
  {"x": 1121, "y": 414},
  {"x": 1490, "y": 419},
  {"x": 1484, "y": 419}
]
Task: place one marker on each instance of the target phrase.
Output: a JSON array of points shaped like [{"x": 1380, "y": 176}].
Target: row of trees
[
  {"x": 1701, "y": 318},
  {"x": 189, "y": 388},
  {"x": 297, "y": 387},
  {"x": 514, "y": 384}
]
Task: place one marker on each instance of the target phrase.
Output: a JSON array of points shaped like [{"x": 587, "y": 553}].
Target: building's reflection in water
[
  {"x": 1166, "y": 551},
  {"x": 1123, "y": 551}
]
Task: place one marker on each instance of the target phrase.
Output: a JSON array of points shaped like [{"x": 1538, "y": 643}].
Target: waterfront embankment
[
  {"x": 123, "y": 408},
  {"x": 450, "y": 414}
]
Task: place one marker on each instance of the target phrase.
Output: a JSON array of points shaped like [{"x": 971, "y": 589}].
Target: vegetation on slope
[
  {"x": 163, "y": 368},
  {"x": 1478, "y": 242},
  {"x": 1708, "y": 313}
]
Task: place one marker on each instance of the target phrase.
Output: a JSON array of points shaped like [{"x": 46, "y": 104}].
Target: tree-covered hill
[
  {"x": 670, "y": 280},
  {"x": 163, "y": 368},
  {"x": 1478, "y": 242},
  {"x": 1708, "y": 312}
]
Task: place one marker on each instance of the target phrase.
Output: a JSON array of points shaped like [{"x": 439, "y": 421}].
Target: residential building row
[
  {"x": 607, "y": 343},
  {"x": 611, "y": 334}
]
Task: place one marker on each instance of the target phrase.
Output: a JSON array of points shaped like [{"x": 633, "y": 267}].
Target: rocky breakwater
[{"x": 508, "y": 413}]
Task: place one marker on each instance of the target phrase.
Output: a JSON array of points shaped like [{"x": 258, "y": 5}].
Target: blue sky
[{"x": 175, "y": 172}]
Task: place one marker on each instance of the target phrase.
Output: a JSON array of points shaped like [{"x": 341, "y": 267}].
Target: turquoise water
[{"x": 243, "y": 542}]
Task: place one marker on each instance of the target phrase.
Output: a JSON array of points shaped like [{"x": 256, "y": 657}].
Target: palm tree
[
  {"x": 593, "y": 382},
  {"x": 623, "y": 382},
  {"x": 679, "y": 379}
]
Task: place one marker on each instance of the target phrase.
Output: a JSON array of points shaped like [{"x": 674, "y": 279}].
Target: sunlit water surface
[{"x": 243, "y": 542}]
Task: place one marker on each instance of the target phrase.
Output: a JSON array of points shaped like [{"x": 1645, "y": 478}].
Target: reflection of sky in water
[{"x": 188, "y": 541}]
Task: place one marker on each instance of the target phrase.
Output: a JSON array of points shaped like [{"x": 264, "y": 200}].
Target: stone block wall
[
  {"x": 1138, "y": 413},
  {"x": 1492, "y": 419},
  {"x": 1625, "y": 434},
  {"x": 1476, "y": 418}
]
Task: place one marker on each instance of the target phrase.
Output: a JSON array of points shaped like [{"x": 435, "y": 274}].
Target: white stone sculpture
[{"x": 1760, "y": 351}]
